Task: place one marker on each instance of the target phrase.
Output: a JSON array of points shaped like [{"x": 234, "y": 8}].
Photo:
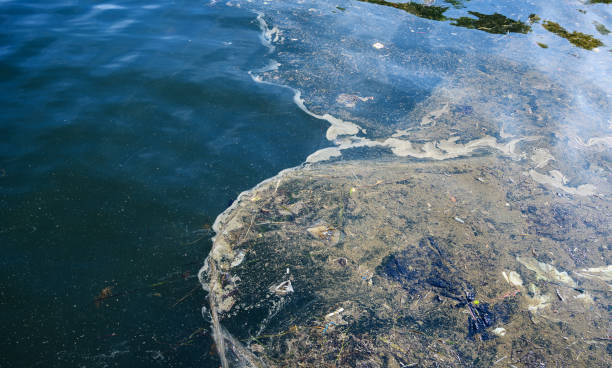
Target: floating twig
[{"x": 186, "y": 296}]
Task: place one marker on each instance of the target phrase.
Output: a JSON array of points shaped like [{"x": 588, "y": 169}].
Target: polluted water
[{"x": 461, "y": 216}]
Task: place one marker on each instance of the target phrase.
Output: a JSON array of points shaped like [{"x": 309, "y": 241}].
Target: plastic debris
[
  {"x": 325, "y": 232},
  {"x": 351, "y": 100},
  {"x": 403, "y": 281},
  {"x": 513, "y": 278},
  {"x": 283, "y": 288}
]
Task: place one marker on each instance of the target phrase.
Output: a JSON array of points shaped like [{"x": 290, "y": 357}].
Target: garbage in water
[
  {"x": 383, "y": 275},
  {"x": 283, "y": 288}
]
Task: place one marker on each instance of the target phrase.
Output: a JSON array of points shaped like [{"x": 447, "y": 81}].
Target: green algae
[
  {"x": 601, "y": 28},
  {"x": 534, "y": 18},
  {"x": 496, "y": 23},
  {"x": 492, "y": 23},
  {"x": 420, "y": 10},
  {"x": 542, "y": 45},
  {"x": 579, "y": 39},
  {"x": 458, "y": 4}
]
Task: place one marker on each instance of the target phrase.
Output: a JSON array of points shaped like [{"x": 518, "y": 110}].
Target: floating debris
[
  {"x": 238, "y": 259},
  {"x": 403, "y": 281},
  {"x": 556, "y": 179},
  {"x": 283, "y": 288},
  {"x": 597, "y": 273},
  {"x": 533, "y": 18},
  {"x": 561, "y": 298},
  {"x": 601, "y": 29},
  {"x": 106, "y": 293},
  {"x": 336, "y": 312},
  {"x": 513, "y": 278},
  {"x": 351, "y": 100},
  {"x": 378, "y": 45},
  {"x": 545, "y": 271},
  {"x": 492, "y": 23},
  {"x": 420, "y": 10},
  {"x": 325, "y": 232},
  {"x": 541, "y": 157}
]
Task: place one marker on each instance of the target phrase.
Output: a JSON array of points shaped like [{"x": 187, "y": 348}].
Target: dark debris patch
[
  {"x": 492, "y": 23},
  {"x": 428, "y": 266},
  {"x": 420, "y": 10}
]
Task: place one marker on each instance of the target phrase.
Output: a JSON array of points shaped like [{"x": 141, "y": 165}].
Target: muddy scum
[
  {"x": 462, "y": 263},
  {"x": 400, "y": 262},
  {"x": 471, "y": 228}
]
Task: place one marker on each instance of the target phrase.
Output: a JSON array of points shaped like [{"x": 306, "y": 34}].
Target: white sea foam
[
  {"x": 324, "y": 154},
  {"x": 268, "y": 35},
  {"x": 108, "y": 7},
  {"x": 556, "y": 179},
  {"x": 121, "y": 25}
]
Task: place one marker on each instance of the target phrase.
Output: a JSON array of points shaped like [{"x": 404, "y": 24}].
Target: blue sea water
[{"x": 127, "y": 127}]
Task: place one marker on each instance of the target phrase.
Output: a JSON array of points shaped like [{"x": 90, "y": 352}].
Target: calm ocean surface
[{"x": 127, "y": 127}]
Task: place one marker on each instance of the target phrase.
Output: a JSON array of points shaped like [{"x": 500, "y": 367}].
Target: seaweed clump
[
  {"x": 579, "y": 39},
  {"x": 458, "y": 4},
  {"x": 601, "y": 29},
  {"x": 492, "y": 23},
  {"x": 534, "y": 18},
  {"x": 420, "y": 10}
]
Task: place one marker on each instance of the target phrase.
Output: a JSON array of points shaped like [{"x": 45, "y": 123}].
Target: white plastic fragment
[
  {"x": 585, "y": 297},
  {"x": 513, "y": 278},
  {"x": 459, "y": 220},
  {"x": 378, "y": 45},
  {"x": 337, "y": 311},
  {"x": 602, "y": 273},
  {"x": 500, "y": 331},
  {"x": 544, "y": 271},
  {"x": 238, "y": 259},
  {"x": 283, "y": 288}
]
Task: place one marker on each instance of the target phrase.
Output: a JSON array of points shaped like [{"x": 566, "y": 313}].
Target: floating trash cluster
[
  {"x": 363, "y": 263},
  {"x": 461, "y": 216}
]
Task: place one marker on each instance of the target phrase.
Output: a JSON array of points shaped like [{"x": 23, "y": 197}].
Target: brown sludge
[{"x": 383, "y": 275}]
